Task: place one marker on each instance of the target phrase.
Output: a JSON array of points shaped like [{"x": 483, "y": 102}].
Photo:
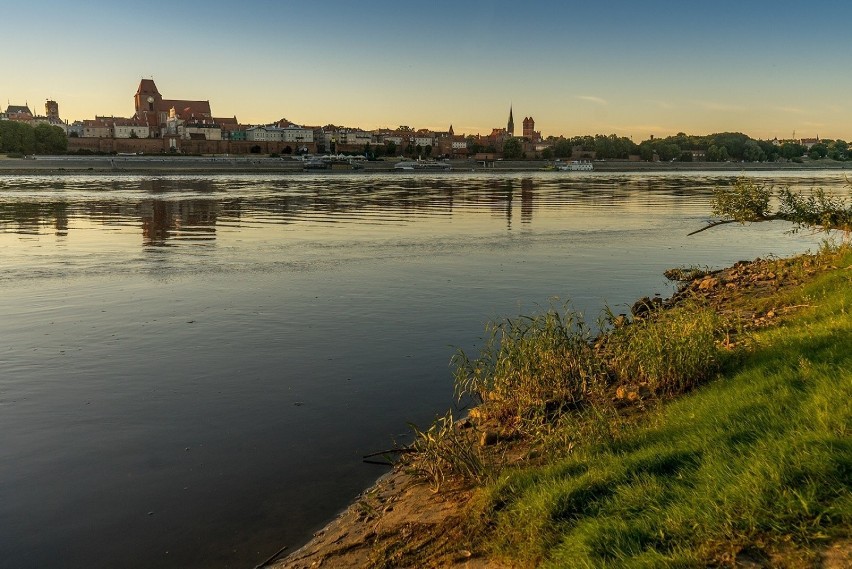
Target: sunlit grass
[{"x": 759, "y": 457}]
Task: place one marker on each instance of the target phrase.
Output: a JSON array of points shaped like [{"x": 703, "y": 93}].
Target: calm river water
[{"x": 191, "y": 369}]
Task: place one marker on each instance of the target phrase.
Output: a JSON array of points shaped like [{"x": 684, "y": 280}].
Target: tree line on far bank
[
  {"x": 19, "y": 139},
  {"x": 719, "y": 147}
]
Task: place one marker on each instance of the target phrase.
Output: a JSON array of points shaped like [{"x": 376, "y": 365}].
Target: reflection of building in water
[
  {"x": 190, "y": 220},
  {"x": 35, "y": 218},
  {"x": 526, "y": 200}
]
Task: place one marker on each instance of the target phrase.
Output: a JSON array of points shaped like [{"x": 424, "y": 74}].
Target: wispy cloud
[
  {"x": 593, "y": 99},
  {"x": 794, "y": 110},
  {"x": 716, "y": 106},
  {"x": 662, "y": 104}
]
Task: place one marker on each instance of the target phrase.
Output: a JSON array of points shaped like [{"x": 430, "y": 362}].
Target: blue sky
[{"x": 766, "y": 68}]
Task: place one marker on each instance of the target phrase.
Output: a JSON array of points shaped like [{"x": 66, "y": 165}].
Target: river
[{"x": 191, "y": 368}]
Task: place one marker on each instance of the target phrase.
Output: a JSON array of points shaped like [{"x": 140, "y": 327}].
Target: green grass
[{"x": 761, "y": 457}]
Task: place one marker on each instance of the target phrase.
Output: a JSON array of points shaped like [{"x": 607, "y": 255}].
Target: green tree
[
  {"x": 748, "y": 201},
  {"x": 752, "y": 152},
  {"x": 646, "y": 150},
  {"x": 513, "y": 149},
  {"x": 790, "y": 150},
  {"x": 428, "y": 150},
  {"x": 668, "y": 152},
  {"x": 818, "y": 150},
  {"x": 390, "y": 148},
  {"x": 16, "y": 137},
  {"x": 547, "y": 154},
  {"x": 562, "y": 149},
  {"x": 713, "y": 153}
]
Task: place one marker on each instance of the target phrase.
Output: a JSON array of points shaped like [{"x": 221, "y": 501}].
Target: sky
[{"x": 768, "y": 68}]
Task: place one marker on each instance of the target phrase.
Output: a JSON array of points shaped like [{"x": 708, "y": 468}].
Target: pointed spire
[{"x": 510, "y": 128}]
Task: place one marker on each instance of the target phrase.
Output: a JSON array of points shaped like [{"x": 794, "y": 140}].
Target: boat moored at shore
[
  {"x": 576, "y": 166},
  {"x": 422, "y": 165}
]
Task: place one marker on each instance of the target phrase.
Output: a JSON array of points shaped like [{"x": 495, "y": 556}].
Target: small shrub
[{"x": 744, "y": 201}]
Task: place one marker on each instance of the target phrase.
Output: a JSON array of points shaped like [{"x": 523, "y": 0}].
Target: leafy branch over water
[{"x": 747, "y": 201}]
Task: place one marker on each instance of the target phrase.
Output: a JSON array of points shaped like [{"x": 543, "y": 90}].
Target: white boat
[
  {"x": 577, "y": 166},
  {"x": 422, "y": 165}
]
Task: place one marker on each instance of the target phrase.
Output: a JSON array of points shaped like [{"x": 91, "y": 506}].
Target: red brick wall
[{"x": 161, "y": 145}]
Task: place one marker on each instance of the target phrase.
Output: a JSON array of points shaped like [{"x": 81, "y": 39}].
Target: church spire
[{"x": 510, "y": 128}]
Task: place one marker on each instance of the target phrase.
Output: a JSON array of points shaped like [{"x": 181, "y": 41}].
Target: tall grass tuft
[
  {"x": 670, "y": 353},
  {"x": 445, "y": 451},
  {"x": 532, "y": 363}
]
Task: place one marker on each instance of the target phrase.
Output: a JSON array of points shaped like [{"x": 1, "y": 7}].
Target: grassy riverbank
[{"x": 713, "y": 432}]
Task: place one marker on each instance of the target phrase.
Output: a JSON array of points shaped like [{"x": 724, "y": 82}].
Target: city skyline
[{"x": 767, "y": 69}]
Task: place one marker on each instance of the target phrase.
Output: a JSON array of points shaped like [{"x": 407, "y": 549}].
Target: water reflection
[
  {"x": 173, "y": 210},
  {"x": 164, "y": 222}
]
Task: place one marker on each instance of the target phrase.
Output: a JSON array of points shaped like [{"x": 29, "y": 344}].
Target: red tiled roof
[
  {"x": 147, "y": 87},
  {"x": 186, "y": 108}
]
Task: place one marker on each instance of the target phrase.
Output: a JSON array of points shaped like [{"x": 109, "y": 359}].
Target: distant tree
[
  {"x": 428, "y": 150},
  {"x": 752, "y": 152},
  {"x": 390, "y": 148},
  {"x": 547, "y": 154},
  {"x": 562, "y": 149},
  {"x": 646, "y": 150},
  {"x": 668, "y": 152},
  {"x": 770, "y": 151},
  {"x": 818, "y": 150},
  {"x": 17, "y": 138},
  {"x": 733, "y": 141},
  {"x": 685, "y": 157},
  {"x": 790, "y": 150},
  {"x": 838, "y": 150},
  {"x": 713, "y": 153},
  {"x": 513, "y": 149},
  {"x": 723, "y": 154}
]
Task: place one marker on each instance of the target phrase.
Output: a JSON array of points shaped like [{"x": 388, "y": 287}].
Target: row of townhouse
[{"x": 271, "y": 133}]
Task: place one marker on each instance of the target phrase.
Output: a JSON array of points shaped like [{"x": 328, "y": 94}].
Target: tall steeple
[{"x": 510, "y": 128}]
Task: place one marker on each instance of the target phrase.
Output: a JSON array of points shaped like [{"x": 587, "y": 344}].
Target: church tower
[{"x": 510, "y": 128}]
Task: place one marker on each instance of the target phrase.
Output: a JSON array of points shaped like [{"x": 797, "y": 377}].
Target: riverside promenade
[{"x": 254, "y": 164}]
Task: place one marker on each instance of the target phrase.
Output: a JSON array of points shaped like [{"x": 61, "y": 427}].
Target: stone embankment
[{"x": 255, "y": 164}]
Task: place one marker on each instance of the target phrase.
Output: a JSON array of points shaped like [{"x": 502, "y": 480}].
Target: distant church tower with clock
[
  {"x": 510, "y": 127},
  {"x": 147, "y": 97}
]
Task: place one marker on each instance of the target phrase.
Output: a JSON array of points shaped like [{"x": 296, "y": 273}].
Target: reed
[{"x": 532, "y": 364}]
